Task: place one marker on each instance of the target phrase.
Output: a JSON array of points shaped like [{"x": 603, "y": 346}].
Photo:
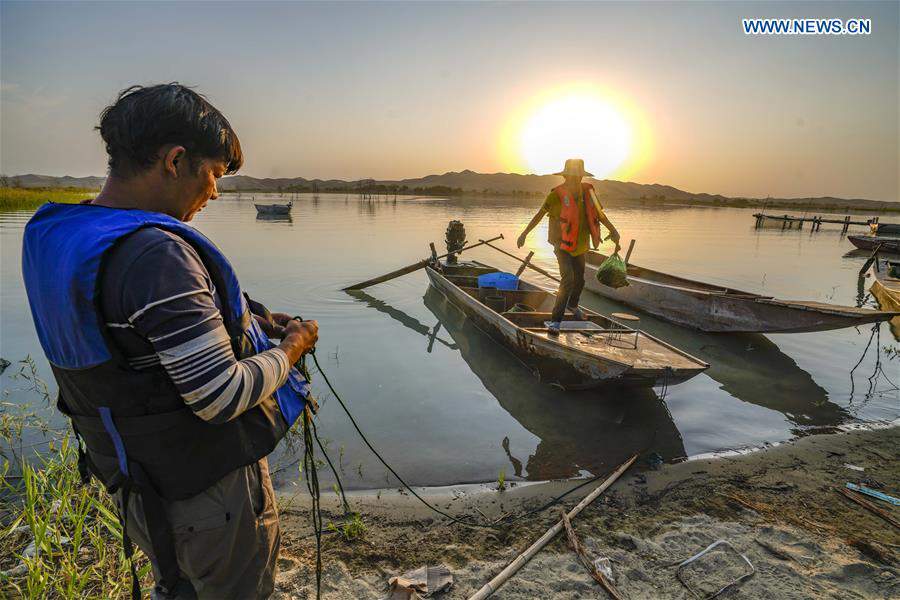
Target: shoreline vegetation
[
  {"x": 58, "y": 538},
  {"x": 14, "y": 198},
  {"x": 831, "y": 205},
  {"x": 19, "y": 198}
]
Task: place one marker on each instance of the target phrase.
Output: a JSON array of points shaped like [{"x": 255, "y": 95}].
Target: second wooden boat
[
  {"x": 886, "y": 228},
  {"x": 871, "y": 242},
  {"x": 720, "y": 309},
  {"x": 886, "y": 290},
  {"x": 586, "y": 354}
]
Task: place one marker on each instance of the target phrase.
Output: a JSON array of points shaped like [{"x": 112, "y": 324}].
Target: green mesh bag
[{"x": 612, "y": 272}]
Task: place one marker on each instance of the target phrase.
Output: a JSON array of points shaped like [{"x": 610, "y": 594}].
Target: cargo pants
[{"x": 226, "y": 537}]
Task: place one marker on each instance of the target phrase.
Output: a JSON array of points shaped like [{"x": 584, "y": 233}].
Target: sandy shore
[{"x": 779, "y": 507}]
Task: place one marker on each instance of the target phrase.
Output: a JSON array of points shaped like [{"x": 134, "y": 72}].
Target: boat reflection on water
[
  {"x": 750, "y": 367},
  {"x": 591, "y": 431},
  {"x": 280, "y": 218},
  {"x": 398, "y": 315}
]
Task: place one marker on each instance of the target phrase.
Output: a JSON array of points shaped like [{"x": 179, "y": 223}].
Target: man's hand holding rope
[{"x": 298, "y": 337}]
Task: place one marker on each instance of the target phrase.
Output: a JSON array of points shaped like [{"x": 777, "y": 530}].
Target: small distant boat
[
  {"x": 871, "y": 242},
  {"x": 586, "y": 354},
  {"x": 274, "y": 209},
  {"x": 716, "y": 308}
]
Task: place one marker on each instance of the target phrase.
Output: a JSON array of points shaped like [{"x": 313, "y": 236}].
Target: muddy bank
[{"x": 778, "y": 507}]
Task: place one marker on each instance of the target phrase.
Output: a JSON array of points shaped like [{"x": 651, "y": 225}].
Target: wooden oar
[
  {"x": 414, "y": 267},
  {"x": 529, "y": 265},
  {"x": 524, "y": 264},
  {"x": 872, "y": 259}
]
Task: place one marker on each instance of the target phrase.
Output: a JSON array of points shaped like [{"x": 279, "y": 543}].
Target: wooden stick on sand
[
  {"x": 870, "y": 507},
  {"x": 494, "y": 584},
  {"x": 583, "y": 557}
]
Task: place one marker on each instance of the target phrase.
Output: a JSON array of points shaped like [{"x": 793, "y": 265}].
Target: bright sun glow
[
  {"x": 579, "y": 122},
  {"x": 576, "y": 127}
]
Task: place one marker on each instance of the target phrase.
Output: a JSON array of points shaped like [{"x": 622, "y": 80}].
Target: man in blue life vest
[
  {"x": 575, "y": 218},
  {"x": 164, "y": 365}
]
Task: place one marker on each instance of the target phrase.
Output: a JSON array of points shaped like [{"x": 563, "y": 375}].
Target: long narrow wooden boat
[
  {"x": 870, "y": 242},
  {"x": 584, "y": 355},
  {"x": 593, "y": 430},
  {"x": 886, "y": 290},
  {"x": 715, "y": 308}
]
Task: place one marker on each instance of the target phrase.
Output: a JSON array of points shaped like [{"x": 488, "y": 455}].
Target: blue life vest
[{"x": 62, "y": 261}]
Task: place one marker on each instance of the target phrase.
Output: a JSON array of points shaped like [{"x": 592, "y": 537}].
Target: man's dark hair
[{"x": 143, "y": 119}]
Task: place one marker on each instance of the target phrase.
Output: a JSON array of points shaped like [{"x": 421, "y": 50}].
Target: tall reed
[
  {"x": 13, "y": 198},
  {"x": 58, "y": 538}
]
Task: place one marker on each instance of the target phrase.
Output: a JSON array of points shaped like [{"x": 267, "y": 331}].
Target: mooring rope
[
  {"x": 506, "y": 521},
  {"x": 312, "y": 484},
  {"x": 381, "y": 458}
]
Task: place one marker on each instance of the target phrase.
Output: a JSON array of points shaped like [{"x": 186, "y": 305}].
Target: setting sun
[
  {"x": 585, "y": 123},
  {"x": 576, "y": 126}
]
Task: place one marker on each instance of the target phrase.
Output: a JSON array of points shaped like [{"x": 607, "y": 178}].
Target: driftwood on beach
[{"x": 494, "y": 584}]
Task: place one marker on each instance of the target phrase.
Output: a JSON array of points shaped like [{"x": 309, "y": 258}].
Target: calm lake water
[{"x": 454, "y": 407}]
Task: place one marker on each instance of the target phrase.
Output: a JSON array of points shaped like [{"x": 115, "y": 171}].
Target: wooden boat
[
  {"x": 720, "y": 309},
  {"x": 593, "y": 430},
  {"x": 886, "y": 228},
  {"x": 886, "y": 290},
  {"x": 274, "y": 209},
  {"x": 586, "y": 354},
  {"x": 870, "y": 242}
]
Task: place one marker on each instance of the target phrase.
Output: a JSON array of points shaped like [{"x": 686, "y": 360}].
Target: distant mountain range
[
  {"x": 470, "y": 182},
  {"x": 50, "y": 181}
]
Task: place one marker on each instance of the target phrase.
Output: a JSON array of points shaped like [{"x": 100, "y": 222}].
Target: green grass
[
  {"x": 352, "y": 528},
  {"x": 58, "y": 538},
  {"x": 62, "y": 539},
  {"x": 12, "y": 198}
]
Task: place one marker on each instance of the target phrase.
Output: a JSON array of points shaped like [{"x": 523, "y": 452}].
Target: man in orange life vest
[{"x": 575, "y": 218}]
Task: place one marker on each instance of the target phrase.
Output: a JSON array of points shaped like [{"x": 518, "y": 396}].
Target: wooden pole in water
[
  {"x": 413, "y": 267},
  {"x": 524, "y": 264},
  {"x": 628, "y": 254},
  {"x": 870, "y": 260},
  {"x": 494, "y": 584},
  {"x": 530, "y": 266}
]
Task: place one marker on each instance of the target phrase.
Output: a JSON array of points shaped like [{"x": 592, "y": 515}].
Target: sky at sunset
[{"x": 670, "y": 93}]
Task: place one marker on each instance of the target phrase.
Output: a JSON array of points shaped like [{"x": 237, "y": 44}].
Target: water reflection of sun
[{"x": 582, "y": 122}]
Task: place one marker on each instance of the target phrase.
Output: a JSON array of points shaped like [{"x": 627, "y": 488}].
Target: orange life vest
[{"x": 570, "y": 216}]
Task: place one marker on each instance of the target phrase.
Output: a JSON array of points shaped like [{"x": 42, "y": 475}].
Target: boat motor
[{"x": 455, "y": 240}]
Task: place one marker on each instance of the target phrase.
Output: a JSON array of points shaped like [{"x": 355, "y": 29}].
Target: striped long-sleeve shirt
[{"x": 162, "y": 309}]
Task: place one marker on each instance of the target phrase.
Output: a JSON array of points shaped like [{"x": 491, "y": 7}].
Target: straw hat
[{"x": 575, "y": 168}]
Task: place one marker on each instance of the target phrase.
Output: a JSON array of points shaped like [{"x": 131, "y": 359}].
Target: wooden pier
[{"x": 790, "y": 222}]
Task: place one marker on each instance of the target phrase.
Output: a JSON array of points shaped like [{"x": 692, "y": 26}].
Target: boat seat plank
[
  {"x": 538, "y": 319},
  {"x": 578, "y": 326}
]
